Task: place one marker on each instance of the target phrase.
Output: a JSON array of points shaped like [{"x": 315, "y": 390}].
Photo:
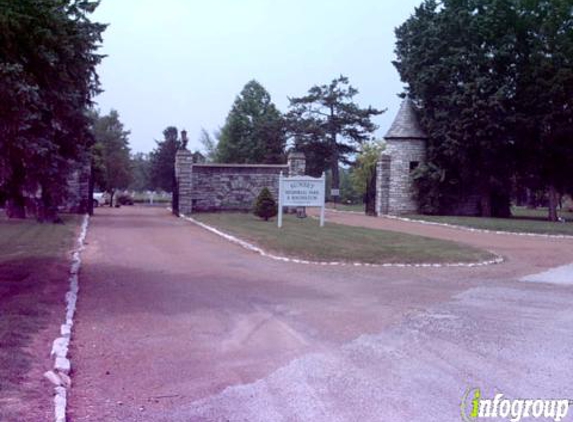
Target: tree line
[
  {"x": 493, "y": 80},
  {"x": 48, "y": 59},
  {"x": 326, "y": 124},
  {"x": 48, "y": 123}
]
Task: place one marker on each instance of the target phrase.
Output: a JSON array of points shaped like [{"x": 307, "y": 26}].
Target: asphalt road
[{"x": 176, "y": 324}]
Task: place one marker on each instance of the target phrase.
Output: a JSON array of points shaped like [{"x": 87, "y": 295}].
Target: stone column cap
[
  {"x": 296, "y": 154},
  {"x": 184, "y": 154}
]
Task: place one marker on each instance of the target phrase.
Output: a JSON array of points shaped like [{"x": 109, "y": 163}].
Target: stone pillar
[
  {"x": 296, "y": 167},
  {"x": 184, "y": 177},
  {"x": 383, "y": 184},
  {"x": 296, "y": 164}
]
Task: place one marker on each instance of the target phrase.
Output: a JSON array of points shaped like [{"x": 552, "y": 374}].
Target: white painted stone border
[
  {"x": 249, "y": 246},
  {"x": 59, "y": 376},
  {"x": 465, "y": 228}
]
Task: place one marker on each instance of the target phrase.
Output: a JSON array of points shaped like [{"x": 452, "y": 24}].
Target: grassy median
[
  {"x": 34, "y": 268},
  {"x": 303, "y": 238},
  {"x": 523, "y": 221}
]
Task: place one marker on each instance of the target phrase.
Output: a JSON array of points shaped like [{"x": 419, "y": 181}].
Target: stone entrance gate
[{"x": 228, "y": 187}]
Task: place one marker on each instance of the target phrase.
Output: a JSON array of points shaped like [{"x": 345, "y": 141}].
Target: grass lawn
[
  {"x": 346, "y": 207},
  {"x": 143, "y": 198},
  {"x": 33, "y": 280},
  {"x": 524, "y": 221},
  {"x": 303, "y": 238},
  {"x": 539, "y": 213}
]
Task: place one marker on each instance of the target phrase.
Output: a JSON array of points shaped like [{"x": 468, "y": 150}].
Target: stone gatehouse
[
  {"x": 405, "y": 151},
  {"x": 406, "y": 145},
  {"x": 228, "y": 187}
]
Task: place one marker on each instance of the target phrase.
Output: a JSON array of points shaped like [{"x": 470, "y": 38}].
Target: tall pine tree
[
  {"x": 163, "y": 160},
  {"x": 327, "y": 125}
]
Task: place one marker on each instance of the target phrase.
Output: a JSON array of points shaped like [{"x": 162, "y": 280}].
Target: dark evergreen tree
[
  {"x": 458, "y": 58},
  {"x": 544, "y": 97},
  {"x": 265, "y": 206},
  {"x": 254, "y": 129},
  {"x": 494, "y": 83},
  {"x": 327, "y": 126},
  {"x": 48, "y": 59},
  {"x": 163, "y": 160}
]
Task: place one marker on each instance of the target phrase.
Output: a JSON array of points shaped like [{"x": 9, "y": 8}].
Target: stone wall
[
  {"x": 220, "y": 187},
  {"x": 228, "y": 187}
]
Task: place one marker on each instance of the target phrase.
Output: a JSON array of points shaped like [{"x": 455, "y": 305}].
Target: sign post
[
  {"x": 301, "y": 191},
  {"x": 280, "y": 219}
]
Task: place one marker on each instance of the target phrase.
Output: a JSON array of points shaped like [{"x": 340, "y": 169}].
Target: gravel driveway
[{"x": 176, "y": 324}]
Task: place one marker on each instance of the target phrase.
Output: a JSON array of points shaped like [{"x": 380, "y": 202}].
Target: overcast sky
[{"x": 182, "y": 62}]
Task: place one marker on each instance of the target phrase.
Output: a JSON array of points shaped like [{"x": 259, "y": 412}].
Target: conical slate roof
[{"x": 406, "y": 124}]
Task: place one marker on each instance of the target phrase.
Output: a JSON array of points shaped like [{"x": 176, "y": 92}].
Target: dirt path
[{"x": 175, "y": 324}]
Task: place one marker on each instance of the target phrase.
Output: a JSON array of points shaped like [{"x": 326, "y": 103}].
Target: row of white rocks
[
  {"x": 465, "y": 228},
  {"x": 249, "y": 246},
  {"x": 472, "y": 229},
  {"x": 60, "y": 375}
]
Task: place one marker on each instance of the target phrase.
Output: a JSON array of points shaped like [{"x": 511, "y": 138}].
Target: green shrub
[{"x": 265, "y": 205}]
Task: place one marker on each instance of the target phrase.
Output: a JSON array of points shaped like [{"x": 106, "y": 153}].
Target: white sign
[
  {"x": 334, "y": 192},
  {"x": 301, "y": 191}
]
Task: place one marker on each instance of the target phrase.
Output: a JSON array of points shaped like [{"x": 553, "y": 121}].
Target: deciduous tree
[
  {"x": 363, "y": 175},
  {"x": 254, "y": 129},
  {"x": 111, "y": 160},
  {"x": 140, "y": 172},
  {"x": 209, "y": 143}
]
